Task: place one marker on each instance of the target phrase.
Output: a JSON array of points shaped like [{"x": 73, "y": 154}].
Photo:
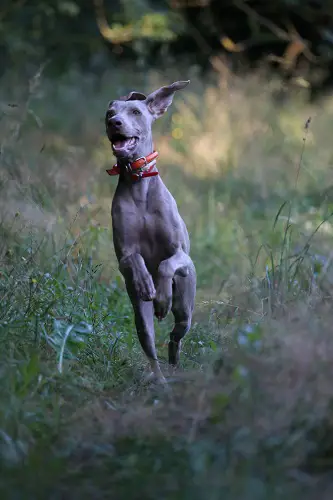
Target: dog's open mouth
[{"x": 122, "y": 143}]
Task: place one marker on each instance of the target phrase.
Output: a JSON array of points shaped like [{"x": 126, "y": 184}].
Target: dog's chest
[{"x": 149, "y": 229}]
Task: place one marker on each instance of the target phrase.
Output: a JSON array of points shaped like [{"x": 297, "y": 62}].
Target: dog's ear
[
  {"x": 159, "y": 101},
  {"x": 133, "y": 96}
]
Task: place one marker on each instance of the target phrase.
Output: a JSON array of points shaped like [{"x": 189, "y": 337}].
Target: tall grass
[{"x": 249, "y": 412}]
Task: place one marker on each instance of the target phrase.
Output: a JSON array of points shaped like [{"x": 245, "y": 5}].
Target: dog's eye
[
  {"x": 136, "y": 112},
  {"x": 109, "y": 114}
]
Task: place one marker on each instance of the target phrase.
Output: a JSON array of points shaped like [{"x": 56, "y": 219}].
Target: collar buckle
[
  {"x": 144, "y": 159},
  {"x": 143, "y": 170}
]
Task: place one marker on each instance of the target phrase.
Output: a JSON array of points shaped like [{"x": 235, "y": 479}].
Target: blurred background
[
  {"x": 229, "y": 147},
  {"x": 246, "y": 150}
]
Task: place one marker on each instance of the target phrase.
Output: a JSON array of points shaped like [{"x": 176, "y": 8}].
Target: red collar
[{"x": 142, "y": 167}]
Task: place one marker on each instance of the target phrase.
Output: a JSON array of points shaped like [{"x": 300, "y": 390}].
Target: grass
[{"x": 249, "y": 413}]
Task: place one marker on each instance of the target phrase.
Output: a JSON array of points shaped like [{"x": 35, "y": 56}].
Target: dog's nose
[{"x": 115, "y": 121}]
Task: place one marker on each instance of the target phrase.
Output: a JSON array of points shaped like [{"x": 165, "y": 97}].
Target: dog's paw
[
  {"x": 163, "y": 298},
  {"x": 145, "y": 288},
  {"x": 154, "y": 379}
]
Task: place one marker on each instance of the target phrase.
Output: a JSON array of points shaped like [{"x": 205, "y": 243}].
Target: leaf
[
  {"x": 293, "y": 50},
  {"x": 279, "y": 213},
  {"x": 36, "y": 118},
  {"x": 231, "y": 46},
  {"x": 72, "y": 9},
  {"x": 83, "y": 328},
  {"x": 301, "y": 82},
  {"x": 67, "y": 340}
]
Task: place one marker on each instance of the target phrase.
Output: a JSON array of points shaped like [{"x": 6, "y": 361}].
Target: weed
[{"x": 249, "y": 412}]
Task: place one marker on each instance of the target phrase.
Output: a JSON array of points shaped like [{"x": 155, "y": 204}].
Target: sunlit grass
[{"x": 250, "y": 406}]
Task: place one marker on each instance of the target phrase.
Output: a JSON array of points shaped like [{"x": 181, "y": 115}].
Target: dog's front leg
[
  {"x": 176, "y": 264},
  {"x": 144, "y": 322},
  {"x": 134, "y": 270}
]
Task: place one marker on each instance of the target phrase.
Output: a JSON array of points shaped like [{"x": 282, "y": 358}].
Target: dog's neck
[{"x": 138, "y": 189}]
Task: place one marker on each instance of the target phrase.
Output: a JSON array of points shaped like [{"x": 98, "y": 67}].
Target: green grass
[{"x": 249, "y": 413}]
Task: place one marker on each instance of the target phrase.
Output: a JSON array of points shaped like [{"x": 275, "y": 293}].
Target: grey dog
[{"x": 150, "y": 238}]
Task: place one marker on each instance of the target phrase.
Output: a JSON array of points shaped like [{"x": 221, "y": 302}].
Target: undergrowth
[{"x": 249, "y": 413}]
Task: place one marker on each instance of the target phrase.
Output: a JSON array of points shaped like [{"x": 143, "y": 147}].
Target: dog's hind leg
[
  {"x": 184, "y": 290},
  {"x": 177, "y": 265}
]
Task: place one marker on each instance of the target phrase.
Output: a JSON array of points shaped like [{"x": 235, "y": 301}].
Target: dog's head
[{"x": 128, "y": 120}]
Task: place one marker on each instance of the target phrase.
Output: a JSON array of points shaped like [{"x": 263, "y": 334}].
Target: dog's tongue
[{"x": 121, "y": 143}]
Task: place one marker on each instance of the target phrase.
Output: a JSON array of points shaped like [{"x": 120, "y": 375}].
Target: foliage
[
  {"x": 66, "y": 32},
  {"x": 249, "y": 413},
  {"x": 292, "y": 35}
]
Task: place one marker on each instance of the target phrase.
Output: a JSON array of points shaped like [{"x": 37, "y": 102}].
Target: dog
[{"x": 150, "y": 238}]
